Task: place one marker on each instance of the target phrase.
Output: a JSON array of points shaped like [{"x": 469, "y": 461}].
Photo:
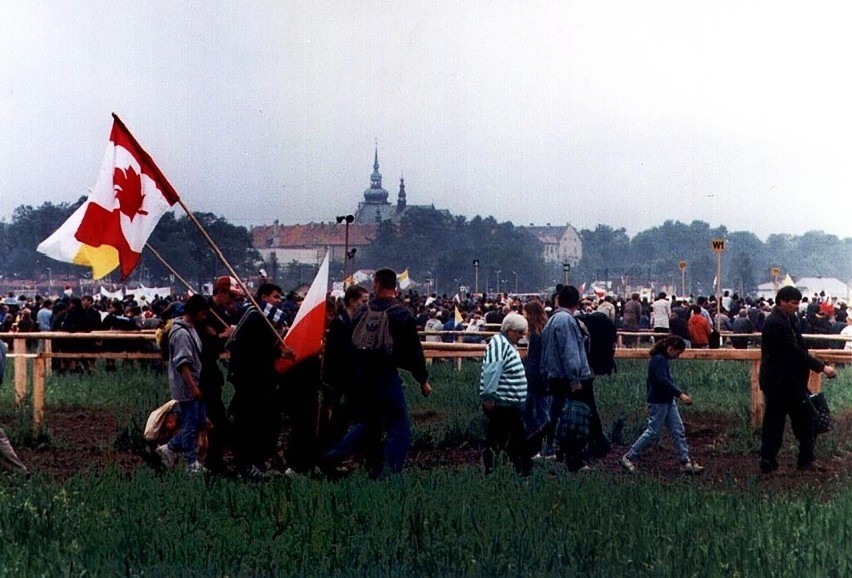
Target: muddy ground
[{"x": 83, "y": 440}]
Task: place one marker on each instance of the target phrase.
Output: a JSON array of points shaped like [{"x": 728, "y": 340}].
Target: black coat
[{"x": 784, "y": 360}]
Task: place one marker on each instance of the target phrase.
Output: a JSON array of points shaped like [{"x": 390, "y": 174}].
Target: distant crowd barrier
[{"x": 456, "y": 350}]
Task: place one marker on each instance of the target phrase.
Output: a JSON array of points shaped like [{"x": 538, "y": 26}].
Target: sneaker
[
  {"x": 196, "y": 468},
  {"x": 691, "y": 467},
  {"x": 167, "y": 456},
  {"x": 628, "y": 465}
]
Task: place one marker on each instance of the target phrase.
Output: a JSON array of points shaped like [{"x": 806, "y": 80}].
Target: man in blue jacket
[{"x": 564, "y": 364}]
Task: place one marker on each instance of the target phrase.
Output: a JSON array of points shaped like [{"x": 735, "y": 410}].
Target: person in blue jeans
[
  {"x": 662, "y": 407},
  {"x": 184, "y": 372},
  {"x": 382, "y": 347}
]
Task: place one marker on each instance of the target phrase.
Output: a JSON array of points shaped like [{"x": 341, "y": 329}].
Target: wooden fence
[{"x": 457, "y": 350}]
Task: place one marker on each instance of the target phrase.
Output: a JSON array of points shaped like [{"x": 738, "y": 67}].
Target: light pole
[
  {"x": 566, "y": 267},
  {"x": 515, "y": 273},
  {"x": 476, "y": 276},
  {"x": 347, "y": 219},
  {"x": 49, "y": 281},
  {"x": 350, "y": 256},
  {"x": 498, "y": 282}
]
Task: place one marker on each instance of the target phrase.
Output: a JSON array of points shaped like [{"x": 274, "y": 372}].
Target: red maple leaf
[{"x": 128, "y": 191}]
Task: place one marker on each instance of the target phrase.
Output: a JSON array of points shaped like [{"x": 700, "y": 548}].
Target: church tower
[
  {"x": 376, "y": 195},
  {"x": 375, "y": 207},
  {"x": 400, "y": 200}
]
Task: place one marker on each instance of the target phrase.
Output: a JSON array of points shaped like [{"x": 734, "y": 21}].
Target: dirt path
[{"x": 82, "y": 440}]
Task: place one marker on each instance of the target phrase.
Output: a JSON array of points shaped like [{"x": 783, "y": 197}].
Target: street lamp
[
  {"x": 566, "y": 267},
  {"x": 347, "y": 219}
]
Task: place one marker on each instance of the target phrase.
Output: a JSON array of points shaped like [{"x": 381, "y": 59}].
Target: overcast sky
[{"x": 595, "y": 112}]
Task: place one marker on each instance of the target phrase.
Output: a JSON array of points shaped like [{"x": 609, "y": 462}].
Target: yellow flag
[{"x": 459, "y": 318}]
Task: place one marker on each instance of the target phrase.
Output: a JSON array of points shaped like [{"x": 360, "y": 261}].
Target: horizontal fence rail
[{"x": 457, "y": 350}]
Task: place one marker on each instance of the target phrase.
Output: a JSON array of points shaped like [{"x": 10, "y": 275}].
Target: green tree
[{"x": 435, "y": 243}]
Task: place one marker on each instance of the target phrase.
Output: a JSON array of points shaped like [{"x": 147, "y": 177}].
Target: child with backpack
[{"x": 662, "y": 407}]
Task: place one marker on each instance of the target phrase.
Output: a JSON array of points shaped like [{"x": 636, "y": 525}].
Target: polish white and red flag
[
  {"x": 306, "y": 335},
  {"x": 112, "y": 226}
]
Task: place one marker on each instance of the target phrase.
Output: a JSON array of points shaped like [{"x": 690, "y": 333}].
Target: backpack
[
  {"x": 372, "y": 332},
  {"x": 162, "y": 338}
]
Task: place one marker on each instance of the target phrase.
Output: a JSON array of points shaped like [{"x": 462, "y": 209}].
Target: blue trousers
[
  {"x": 383, "y": 430},
  {"x": 659, "y": 415},
  {"x": 192, "y": 418}
]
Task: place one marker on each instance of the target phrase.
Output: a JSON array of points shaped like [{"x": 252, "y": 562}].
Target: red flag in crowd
[{"x": 305, "y": 337}]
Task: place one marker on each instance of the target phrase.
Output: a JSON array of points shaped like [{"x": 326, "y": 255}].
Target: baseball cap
[{"x": 228, "y": 284}]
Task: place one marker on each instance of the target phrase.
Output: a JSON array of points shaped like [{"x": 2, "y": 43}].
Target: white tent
[{"x": 830, "y": 286}]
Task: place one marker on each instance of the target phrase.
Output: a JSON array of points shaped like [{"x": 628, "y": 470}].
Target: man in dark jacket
[
  {"x": 254, "y": 347},
  {"x": 784, "y": 368},
  {"x": 384, "y": 425},
  {"x": 214, "y": 330},
  {"x": 742, "y": 326}
]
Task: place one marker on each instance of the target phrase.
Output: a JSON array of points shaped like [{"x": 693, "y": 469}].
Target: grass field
[{"x": 435, "y": 521}]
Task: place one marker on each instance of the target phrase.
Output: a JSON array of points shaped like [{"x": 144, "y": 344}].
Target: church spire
[
  {"x": 401, "y": 197},
  {"x": 376, "y": 194}
]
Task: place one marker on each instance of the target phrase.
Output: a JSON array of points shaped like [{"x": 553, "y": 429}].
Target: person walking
[
  {"x": 384, "y": 335},
  {"x": 537, "y": 411},
  {"x": 254, "y": 347},
  {"x": 564, "y": 363},
  {"x": 184, "y": 372},
  {"x": 662, "y": 407},
  {"x": 785, "y": 365},
  {"x": 503, "y": 392}
]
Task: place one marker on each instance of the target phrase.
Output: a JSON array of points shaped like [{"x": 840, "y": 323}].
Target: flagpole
[
  {"x": 233, "y": 273},
  {"x": 171, "y": 192},
  {"x": 181, "y": 279}
]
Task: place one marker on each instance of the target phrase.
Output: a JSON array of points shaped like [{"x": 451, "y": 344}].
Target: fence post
[
  {"x": 39, "y": 371},
  {"x": 20, "y": 348},
  {"x": 458, "y": 359},
  {"x": 48, "y": 350},
  {"x": 756, "y": 395}
]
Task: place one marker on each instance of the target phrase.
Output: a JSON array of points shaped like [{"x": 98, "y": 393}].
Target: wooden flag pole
[
  {"x": 171, "y": 192},
  {"x": 181, "y": 279},
  {"x": 233, "y": 273}
]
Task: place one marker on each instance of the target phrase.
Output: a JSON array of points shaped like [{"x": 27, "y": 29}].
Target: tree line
[{"x": 439, "y": 250}]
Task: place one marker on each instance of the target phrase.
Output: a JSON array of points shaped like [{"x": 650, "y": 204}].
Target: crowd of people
[{"x": 349, "y": 400}]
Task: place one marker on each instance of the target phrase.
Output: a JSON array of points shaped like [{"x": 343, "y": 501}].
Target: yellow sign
[
  {"x": 776, "y": 271},
  {"x": 718, "y": 245},
  {"x": 681, "y": 265}
]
